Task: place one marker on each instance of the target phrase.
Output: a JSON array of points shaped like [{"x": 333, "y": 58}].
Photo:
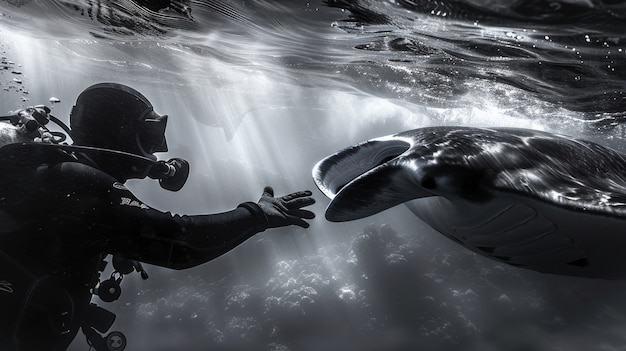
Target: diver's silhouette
[{"x": 63, "y": 208}]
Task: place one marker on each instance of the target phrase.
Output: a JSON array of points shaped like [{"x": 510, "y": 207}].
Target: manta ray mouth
[
  {"x": 365, "y": 179},
  {"x": 337, "y": 171}
]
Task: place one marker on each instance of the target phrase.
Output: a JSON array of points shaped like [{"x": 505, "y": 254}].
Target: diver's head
[{"x": 117, "y": 117}]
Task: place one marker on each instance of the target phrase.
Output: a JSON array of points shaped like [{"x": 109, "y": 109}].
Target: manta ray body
[{"x": 528, "y": 198}]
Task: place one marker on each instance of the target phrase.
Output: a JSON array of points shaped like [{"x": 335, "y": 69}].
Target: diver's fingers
[
  {"x": 298, "y": 221},
  {"x": 298, "y": 194},
  {"x": 300, "y": 202},
  {"x": 302, "y": 214}
]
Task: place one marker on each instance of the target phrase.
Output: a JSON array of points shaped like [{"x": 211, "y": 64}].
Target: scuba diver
[{"x": 64, "y": 208}]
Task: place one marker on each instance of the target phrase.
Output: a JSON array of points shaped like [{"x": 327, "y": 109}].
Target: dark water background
[{"x": 258, "y": 91}]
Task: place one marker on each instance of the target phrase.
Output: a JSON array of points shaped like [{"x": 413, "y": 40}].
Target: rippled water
[
  {"x": 258, "y": 91},
  {"x": 435, "y": 53}
]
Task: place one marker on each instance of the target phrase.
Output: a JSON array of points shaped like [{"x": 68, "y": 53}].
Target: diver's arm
[
  {"x": 136, "y": 231},
  {"x": 185, "y": 241}
]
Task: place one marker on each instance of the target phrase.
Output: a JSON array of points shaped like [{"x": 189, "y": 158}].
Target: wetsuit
[{"x": 59, "y": 216}]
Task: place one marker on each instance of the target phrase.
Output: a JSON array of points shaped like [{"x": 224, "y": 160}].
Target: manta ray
[{"x": 528, "y": 198}]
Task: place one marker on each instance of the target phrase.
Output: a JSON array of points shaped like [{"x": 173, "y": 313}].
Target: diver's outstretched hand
[{"x": 286, "y": 210}]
